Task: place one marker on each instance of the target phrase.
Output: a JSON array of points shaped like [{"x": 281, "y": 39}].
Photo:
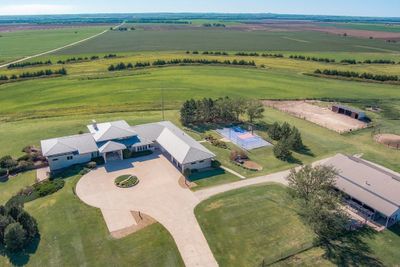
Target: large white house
[{"x": 109, "y": 140}]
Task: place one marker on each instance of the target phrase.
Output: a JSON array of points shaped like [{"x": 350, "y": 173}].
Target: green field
[
  {"x": 141, "y": 90},
  {"x": 249, "y": 225},
  {"x": 18, "y": 44},
  {"x": 244, "y": 227},
  {"x": 74, "y": 234},
  {"x": 228, "y": 40},
  {"x": 365, "y": 26}
]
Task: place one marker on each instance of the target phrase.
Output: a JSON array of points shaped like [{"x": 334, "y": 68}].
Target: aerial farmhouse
[{"x": 109, "y": 140}]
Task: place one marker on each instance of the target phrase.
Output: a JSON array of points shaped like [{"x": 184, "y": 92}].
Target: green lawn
[
  {"x": 167, "y": 39},
  {"x": 246, "y": 226},
  {"x": 249, "y": 225},
  {"x": 141, "y": 90},
  {"x": 74, "y": 234},
  {"x": 14, "y": 184},
  {"x": 18, "y": 44}
]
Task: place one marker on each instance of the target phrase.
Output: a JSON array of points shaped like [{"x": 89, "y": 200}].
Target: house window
[
  {"x": 69, "y": 158},
  {"x": 193, "y": 163},
  {"x": 201, "y": 161},
  {"x": 54, "y": 159}
]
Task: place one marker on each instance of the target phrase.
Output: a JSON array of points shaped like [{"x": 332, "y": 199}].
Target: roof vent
[{"x": 94, "y": 124}]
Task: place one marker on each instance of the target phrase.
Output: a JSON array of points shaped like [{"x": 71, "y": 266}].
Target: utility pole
[{"x": 162, "y": 103}]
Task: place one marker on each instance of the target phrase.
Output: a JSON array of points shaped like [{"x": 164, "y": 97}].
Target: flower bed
[{"x": 126, "y": 181}]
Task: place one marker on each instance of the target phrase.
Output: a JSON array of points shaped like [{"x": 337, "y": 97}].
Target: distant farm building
[
  {"x": 351, "y": 112},
  {"x": 369, "y": 190}
]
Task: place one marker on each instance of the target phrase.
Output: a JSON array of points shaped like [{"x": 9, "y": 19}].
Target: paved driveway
[{"x": 158, "y": 195}]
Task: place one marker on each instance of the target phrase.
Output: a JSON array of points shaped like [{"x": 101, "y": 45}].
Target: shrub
[
  {"x": 25, "y": 165},
  {"x": 99, "y": 160},
  {"x": 215, "y": 164},
  {"x": 3, "y": 172},
  {"x": 48, "y": 187},
  {"x": 126, "y": 153},
  {"x": 219, "y": 143},
  {"x": 238, "y": 155},
  {"x": 91, "y": 165},
  {"x": 8, "y": 162},
  {"x": 14, "y": 237}
]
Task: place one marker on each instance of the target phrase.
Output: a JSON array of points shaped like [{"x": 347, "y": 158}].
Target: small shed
[{"x": 348, "y": 111}]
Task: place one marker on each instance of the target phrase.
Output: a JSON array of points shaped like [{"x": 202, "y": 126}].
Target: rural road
[{"x": 57, "y": 49}]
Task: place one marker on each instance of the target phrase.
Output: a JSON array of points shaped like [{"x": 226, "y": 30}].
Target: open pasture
[
  {"x": 229, "y": 40},
  {"x": 142, "y": 90},
  {"x": 18, "y": 44}
]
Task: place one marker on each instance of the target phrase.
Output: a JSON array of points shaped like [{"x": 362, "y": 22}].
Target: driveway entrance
[{"x": 158, "y": 195}]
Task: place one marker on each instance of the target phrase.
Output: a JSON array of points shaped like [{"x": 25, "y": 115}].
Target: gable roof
[
  {"x": 177, "y": 143},
  {"x": 111, "y": 130},
  {"x": 111, "y": 146},
  {"x": 82, "y": 144},
  {"x": 367, "y": 183}
]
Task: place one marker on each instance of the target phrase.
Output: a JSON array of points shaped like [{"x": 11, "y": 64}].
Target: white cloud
[{"x": 35, "y": 9}]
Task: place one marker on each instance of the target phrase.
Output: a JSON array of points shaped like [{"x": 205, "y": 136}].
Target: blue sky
[{"x": 381, "y": 8}]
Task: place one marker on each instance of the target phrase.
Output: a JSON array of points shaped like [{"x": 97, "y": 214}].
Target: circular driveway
[{"x": 158, "y": 195}]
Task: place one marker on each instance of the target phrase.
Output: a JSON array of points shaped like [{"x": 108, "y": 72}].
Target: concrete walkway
[
  {"x": 279, "y": 177},
  {"x": 158, "y": 195},
  {"x": 233, "y": 172}
]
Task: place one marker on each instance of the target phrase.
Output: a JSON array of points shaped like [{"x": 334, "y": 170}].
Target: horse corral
[
  {"x": 323, "y": 116},
  {"x": 390, "y": 140}
]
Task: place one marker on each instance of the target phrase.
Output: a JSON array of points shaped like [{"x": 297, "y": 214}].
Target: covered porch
[{"x": 112, "y": 151}]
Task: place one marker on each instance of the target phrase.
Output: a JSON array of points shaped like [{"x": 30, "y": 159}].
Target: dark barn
[{"x": 351, "y": 112}]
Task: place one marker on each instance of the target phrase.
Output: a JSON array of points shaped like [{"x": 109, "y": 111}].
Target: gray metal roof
[
  {"x": 180, "y": 145},
  {"x": 111, "y": 146},
  {"x": 367, "y": 183},
  {"x": 111, "y": 131},
  {"x": 82, "y": 144}
]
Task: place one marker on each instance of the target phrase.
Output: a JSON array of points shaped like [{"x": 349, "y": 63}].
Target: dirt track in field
[
  {"x": 29, "y": 27},
  {"x": 322, "y": 116}
]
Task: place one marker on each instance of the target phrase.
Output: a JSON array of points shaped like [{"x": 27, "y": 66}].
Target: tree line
[
  {"x": 217, "y": 25},
  {"x": 161, "y": 62},
  {"x": 220, "y": 110},
  {"x": 368, "y": 61},
  {"x": 35, "y": 74},
  {"x": 243, "y": 54},
  {"x": 316, "y": 59},
  {"x": 29, "y": 64},
  {"x": 352, "y": 74}
]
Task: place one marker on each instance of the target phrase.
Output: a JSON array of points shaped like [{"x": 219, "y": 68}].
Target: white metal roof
[
  {"x": 111, "y": 146},
  {"x": 111, "y": 130},
  {"x": 82, "y": 144},
  {"x": 367, "y": 183},
  {"x": 177, "y": 143}
]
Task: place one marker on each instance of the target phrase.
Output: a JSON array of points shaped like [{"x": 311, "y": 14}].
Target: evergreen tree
[
  {"x": 285, "y": 130},
  {"x": 14, "y": 237},
  {"x": 29, "y": 224},
  {"x": 5, "y": 220},
  {"x": 282, "y": 150},
  {"x": 275, "y": 131},
  {"x": 295, "y": 141}
]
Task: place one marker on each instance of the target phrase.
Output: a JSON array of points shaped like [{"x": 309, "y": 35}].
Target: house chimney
[{"x": 94, "y": 124}]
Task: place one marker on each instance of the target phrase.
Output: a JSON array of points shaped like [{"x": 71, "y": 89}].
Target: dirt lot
[
  {"x": 323, "y": 116},
  {"x": 390, "y": 140}
]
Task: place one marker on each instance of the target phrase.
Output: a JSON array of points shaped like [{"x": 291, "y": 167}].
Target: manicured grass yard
[
  {"x": 73, "y": 234},
  {"x": 249, "y": 225},
  {"x": 14, "y": 184},
  {"x": 246, "y": 226}
]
